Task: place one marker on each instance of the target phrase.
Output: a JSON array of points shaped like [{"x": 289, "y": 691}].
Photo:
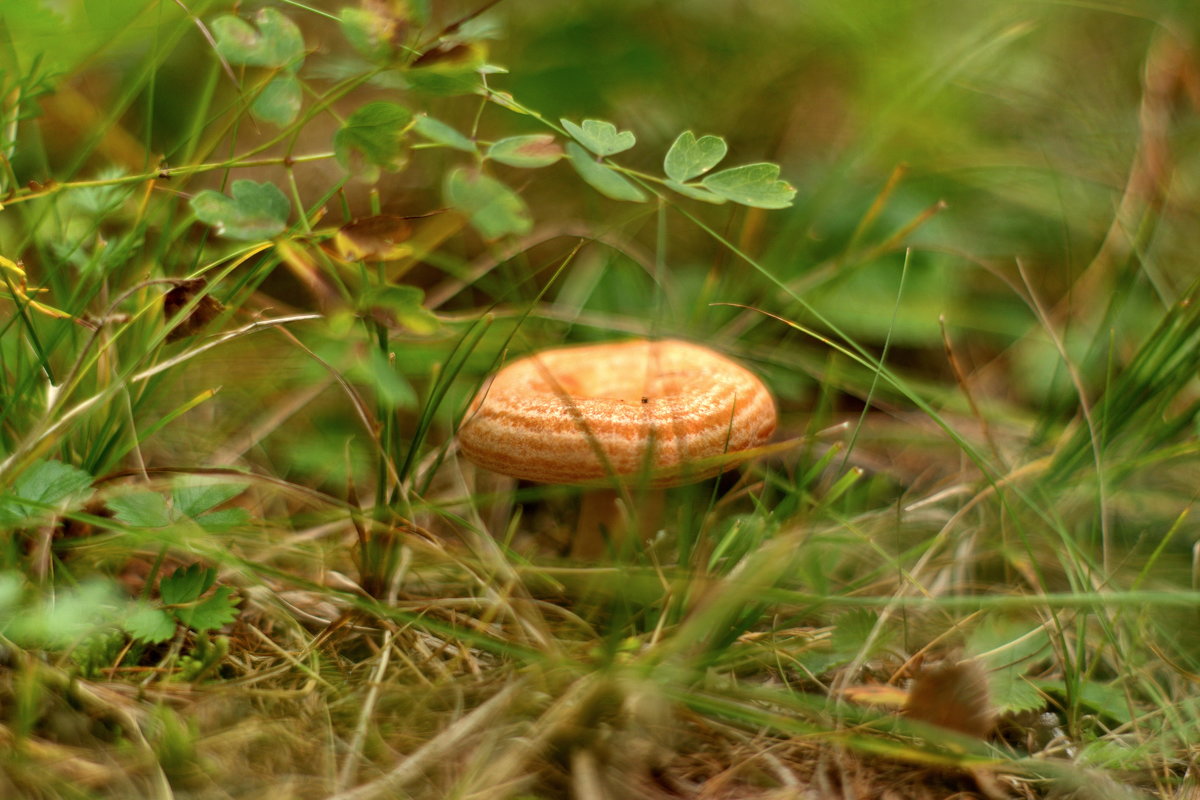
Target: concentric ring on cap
[{"x": 637, "y": 408}]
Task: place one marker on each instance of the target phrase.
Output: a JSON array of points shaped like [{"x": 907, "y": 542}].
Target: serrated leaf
[
  {"x": 277, "y": 42},
  {"x": 689, "y": 156},
  {"x": 149, "y": 624},
  {"x": 755, "y": 185},
  {"x": 193, "y": 499},
  {"x": 186, "y": 584},
  {"x": 1005, "y": 642},
  {"x": 601, "y": 137},
  {"x": 1012, "y": 692},
  {"x": 141, "y": 509},
  {"x": 601, "y": 178},
  {"x": 494, "y": 209},
  {"x": 279, "y": 101},
  {"x": 50, "y": 483},
  {"x": 211, "y": 613},
  {"x": 535, "y": 150},
  {"x": 375, "y": 133},
  {"x": 438, "y": 131},
  {"x": 1009, "y": 648},
  {"x": 400, "y": 307},
  {"x": 255, "y": 212},
  {"x": 695, "y": 192}
]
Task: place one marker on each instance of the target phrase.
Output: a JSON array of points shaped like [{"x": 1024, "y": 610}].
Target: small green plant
[
  {"x": 44, "y": 489},
  {"x": 183, "y": 602}
]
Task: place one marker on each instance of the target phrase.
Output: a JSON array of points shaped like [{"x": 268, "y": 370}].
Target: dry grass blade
[{"x": 443, "y": 745}]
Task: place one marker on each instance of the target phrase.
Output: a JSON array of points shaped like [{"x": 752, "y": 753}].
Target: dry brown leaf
[
  {"x": 205, "y": 311},
  {"x": 954, "y": 696}
]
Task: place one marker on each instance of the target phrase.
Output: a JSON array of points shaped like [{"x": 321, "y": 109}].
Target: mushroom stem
[
  {"x": 600, "y": 522},
  {"x": 604, "y": 523}
]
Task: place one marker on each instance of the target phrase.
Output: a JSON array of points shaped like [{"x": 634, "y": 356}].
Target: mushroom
[{"x": 656, "y": 413}]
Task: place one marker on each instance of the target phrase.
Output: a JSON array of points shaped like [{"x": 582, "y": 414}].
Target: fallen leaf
[
  {"x": 954, "y": 696},
  {"x": 205, "y": 311}
]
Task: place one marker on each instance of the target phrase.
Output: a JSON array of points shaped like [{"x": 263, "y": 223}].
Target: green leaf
[
  {"x": 437, "y": 131},
  {"x": 223, "y": 519},
  {"x": 186, "y": 584},
  {"x": 142, "y": 509},
  {"x": 601, "y": 178},
  {"x": 50, "y": 483},
  {"x": 493, "y": 208},
  {"x": 694, "y": 192},
  {"x": 689, "y": 156},
  {"x": 149, "y": 624},
  {"x": 192, "y": 500},
  {"x": 391, "y": 388},
  {"x": 376, "y": 131},
  {"x": 444, "y": 81},
  {"x": 400, "y": 307},
  {"x": 1106, "y": 699},
  {"x": 1009, "y": 648},
  {"x": 74, "y": 613},
  {"x": 853, "y": 631},
  {"x": 535, "y": 150},
  {"x": 752, "y": 185},
  {"x": 10, "y": 594},
  {"x": 600, "y": 137},
  {"x": 257, "y": 211},
  {"x": 49, "y": 37},
  {"x": 1012, "y": 692},
  {"x": 370, "y": 32},
  {"x": 276, "y": 43},
  {"x": 279, "y": 101},
  {"x": 211, "y": 613},
  {"x": 1003, "y": 642}
]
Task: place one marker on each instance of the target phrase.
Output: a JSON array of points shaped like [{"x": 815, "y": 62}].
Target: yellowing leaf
[
  {"x": 878, "y": 694},
  {"x": 534, "y": 150},
  {"x": 378, "y": 238},
  {"x": 14, "y": 277}
]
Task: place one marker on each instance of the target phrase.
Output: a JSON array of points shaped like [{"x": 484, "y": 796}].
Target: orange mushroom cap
[{"x": 638, "y": 408}]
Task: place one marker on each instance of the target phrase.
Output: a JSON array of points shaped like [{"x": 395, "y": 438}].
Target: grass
[{"x": 242, "y": 558}]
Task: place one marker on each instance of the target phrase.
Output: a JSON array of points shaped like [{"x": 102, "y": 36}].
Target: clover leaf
[
  {"x": 689, "y": 156},
  {"x": 256, "y": 211},
  {"x": 755, "y": 185},
  {"x": 277, "y": 42},
  {"x": 376, "y": 133},
  {"x": 493, "y": 208},
  {"x": 600, "y": 137},
  {"x": 602, "y": 178},
  {"x": 534, "y": 150}
]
